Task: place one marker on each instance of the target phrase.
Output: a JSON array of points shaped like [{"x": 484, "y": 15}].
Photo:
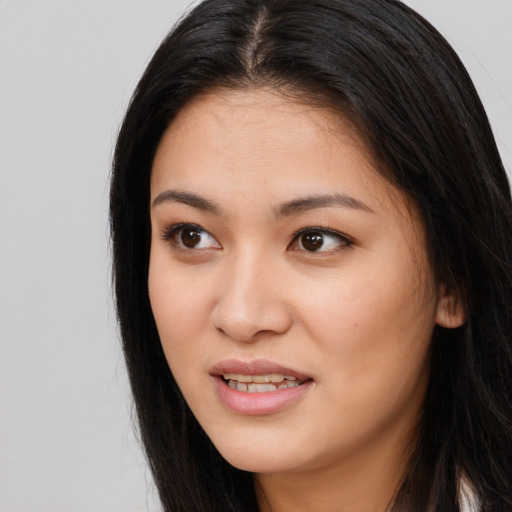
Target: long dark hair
[{"x": 396, "y": 78}]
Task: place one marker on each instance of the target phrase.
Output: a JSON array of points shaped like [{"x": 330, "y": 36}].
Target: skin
[{"x": 356, "y": 316}]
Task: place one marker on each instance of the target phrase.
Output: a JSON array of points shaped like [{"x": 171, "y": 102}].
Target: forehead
[{"x": 240, "y": 141}]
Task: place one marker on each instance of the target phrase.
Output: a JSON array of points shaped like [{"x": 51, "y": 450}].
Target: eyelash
[{"x": 170, "y": 234}]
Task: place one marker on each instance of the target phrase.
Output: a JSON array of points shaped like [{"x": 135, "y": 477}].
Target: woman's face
[{"x": 290, "y": 285}]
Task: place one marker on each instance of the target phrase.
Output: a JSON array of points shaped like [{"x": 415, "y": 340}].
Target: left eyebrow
[
  {"x": 303, "y": 204},
  {"x": 194, "y": 200}
]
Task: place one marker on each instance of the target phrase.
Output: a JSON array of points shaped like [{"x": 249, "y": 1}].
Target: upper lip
[{"x": 255, "y": 367}]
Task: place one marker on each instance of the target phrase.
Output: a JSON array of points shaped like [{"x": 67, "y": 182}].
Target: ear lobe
[{"x": 450, "y": 311}]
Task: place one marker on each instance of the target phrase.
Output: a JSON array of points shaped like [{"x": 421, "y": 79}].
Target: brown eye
[
  {"x": 312, "y": 241},
  {"x": 190, "y": 237},
  {"x": 316, "y": 240}
]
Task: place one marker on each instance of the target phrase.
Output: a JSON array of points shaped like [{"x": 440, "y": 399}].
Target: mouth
[
  {"x": 265, "y": 383},
  {"x": 259, "y": 387}
]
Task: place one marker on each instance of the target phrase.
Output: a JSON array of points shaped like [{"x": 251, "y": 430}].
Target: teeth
[
  {"x": 262, "y": 387},
  {"x": 260, "y": 383},
  {"x": 285, "y": 385},
  {"x": 258, "y": 379}
]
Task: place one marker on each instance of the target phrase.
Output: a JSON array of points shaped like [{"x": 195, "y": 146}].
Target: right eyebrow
[
  {"x": 179, "y": 196},
  {"x": 303, "y": 204}
]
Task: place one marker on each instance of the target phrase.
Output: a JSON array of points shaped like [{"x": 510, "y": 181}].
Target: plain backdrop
[{"x": 67, "y": 69}]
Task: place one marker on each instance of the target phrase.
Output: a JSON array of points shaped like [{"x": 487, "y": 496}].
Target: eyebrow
[
  {"x": 179, "y": 196},
  {"x": 303, "y": 204},
  {"x": 287, "y": 209}
]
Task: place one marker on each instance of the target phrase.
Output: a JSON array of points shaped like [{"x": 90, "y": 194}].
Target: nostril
[
  {"x": 248, "y": 309},
  {"x": 249, "y": 330},
  {"x": 239, "y": 331}
]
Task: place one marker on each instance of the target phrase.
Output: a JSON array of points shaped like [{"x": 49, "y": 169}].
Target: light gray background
[{"x": 67, "y": 69}]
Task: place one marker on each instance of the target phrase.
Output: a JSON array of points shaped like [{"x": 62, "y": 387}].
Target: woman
[{"x": 312, "y": 260}]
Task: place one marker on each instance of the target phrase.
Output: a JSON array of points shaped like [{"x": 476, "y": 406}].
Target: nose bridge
[{"x": 250, "y": 299}]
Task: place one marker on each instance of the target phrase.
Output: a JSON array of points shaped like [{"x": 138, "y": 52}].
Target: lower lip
[{"x": 259, "y": 403}]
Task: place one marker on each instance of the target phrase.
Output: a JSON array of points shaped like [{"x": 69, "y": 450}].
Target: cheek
[
  {"x": 363, "y": 302},
  {"x": 179, "y": 301},
  {"x": 180, "y": 308},
  {"x": 374, "y": 343},
  {"x": 375, "y": 325}
]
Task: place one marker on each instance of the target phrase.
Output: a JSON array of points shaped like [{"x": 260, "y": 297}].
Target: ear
[{"x": 450, "y": 311}]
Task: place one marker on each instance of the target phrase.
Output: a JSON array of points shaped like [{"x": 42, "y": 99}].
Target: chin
[
  {"x": 263, "y": 457},
  {"x": 257, "y": 462}
]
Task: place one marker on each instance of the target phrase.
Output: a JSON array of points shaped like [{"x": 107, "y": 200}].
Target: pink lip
[
  {"x": 255, "y": 367},
  {"x": 257, "y": 403}
]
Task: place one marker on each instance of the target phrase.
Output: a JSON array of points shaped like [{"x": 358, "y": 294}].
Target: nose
[{"x": 251, "y": 301}]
